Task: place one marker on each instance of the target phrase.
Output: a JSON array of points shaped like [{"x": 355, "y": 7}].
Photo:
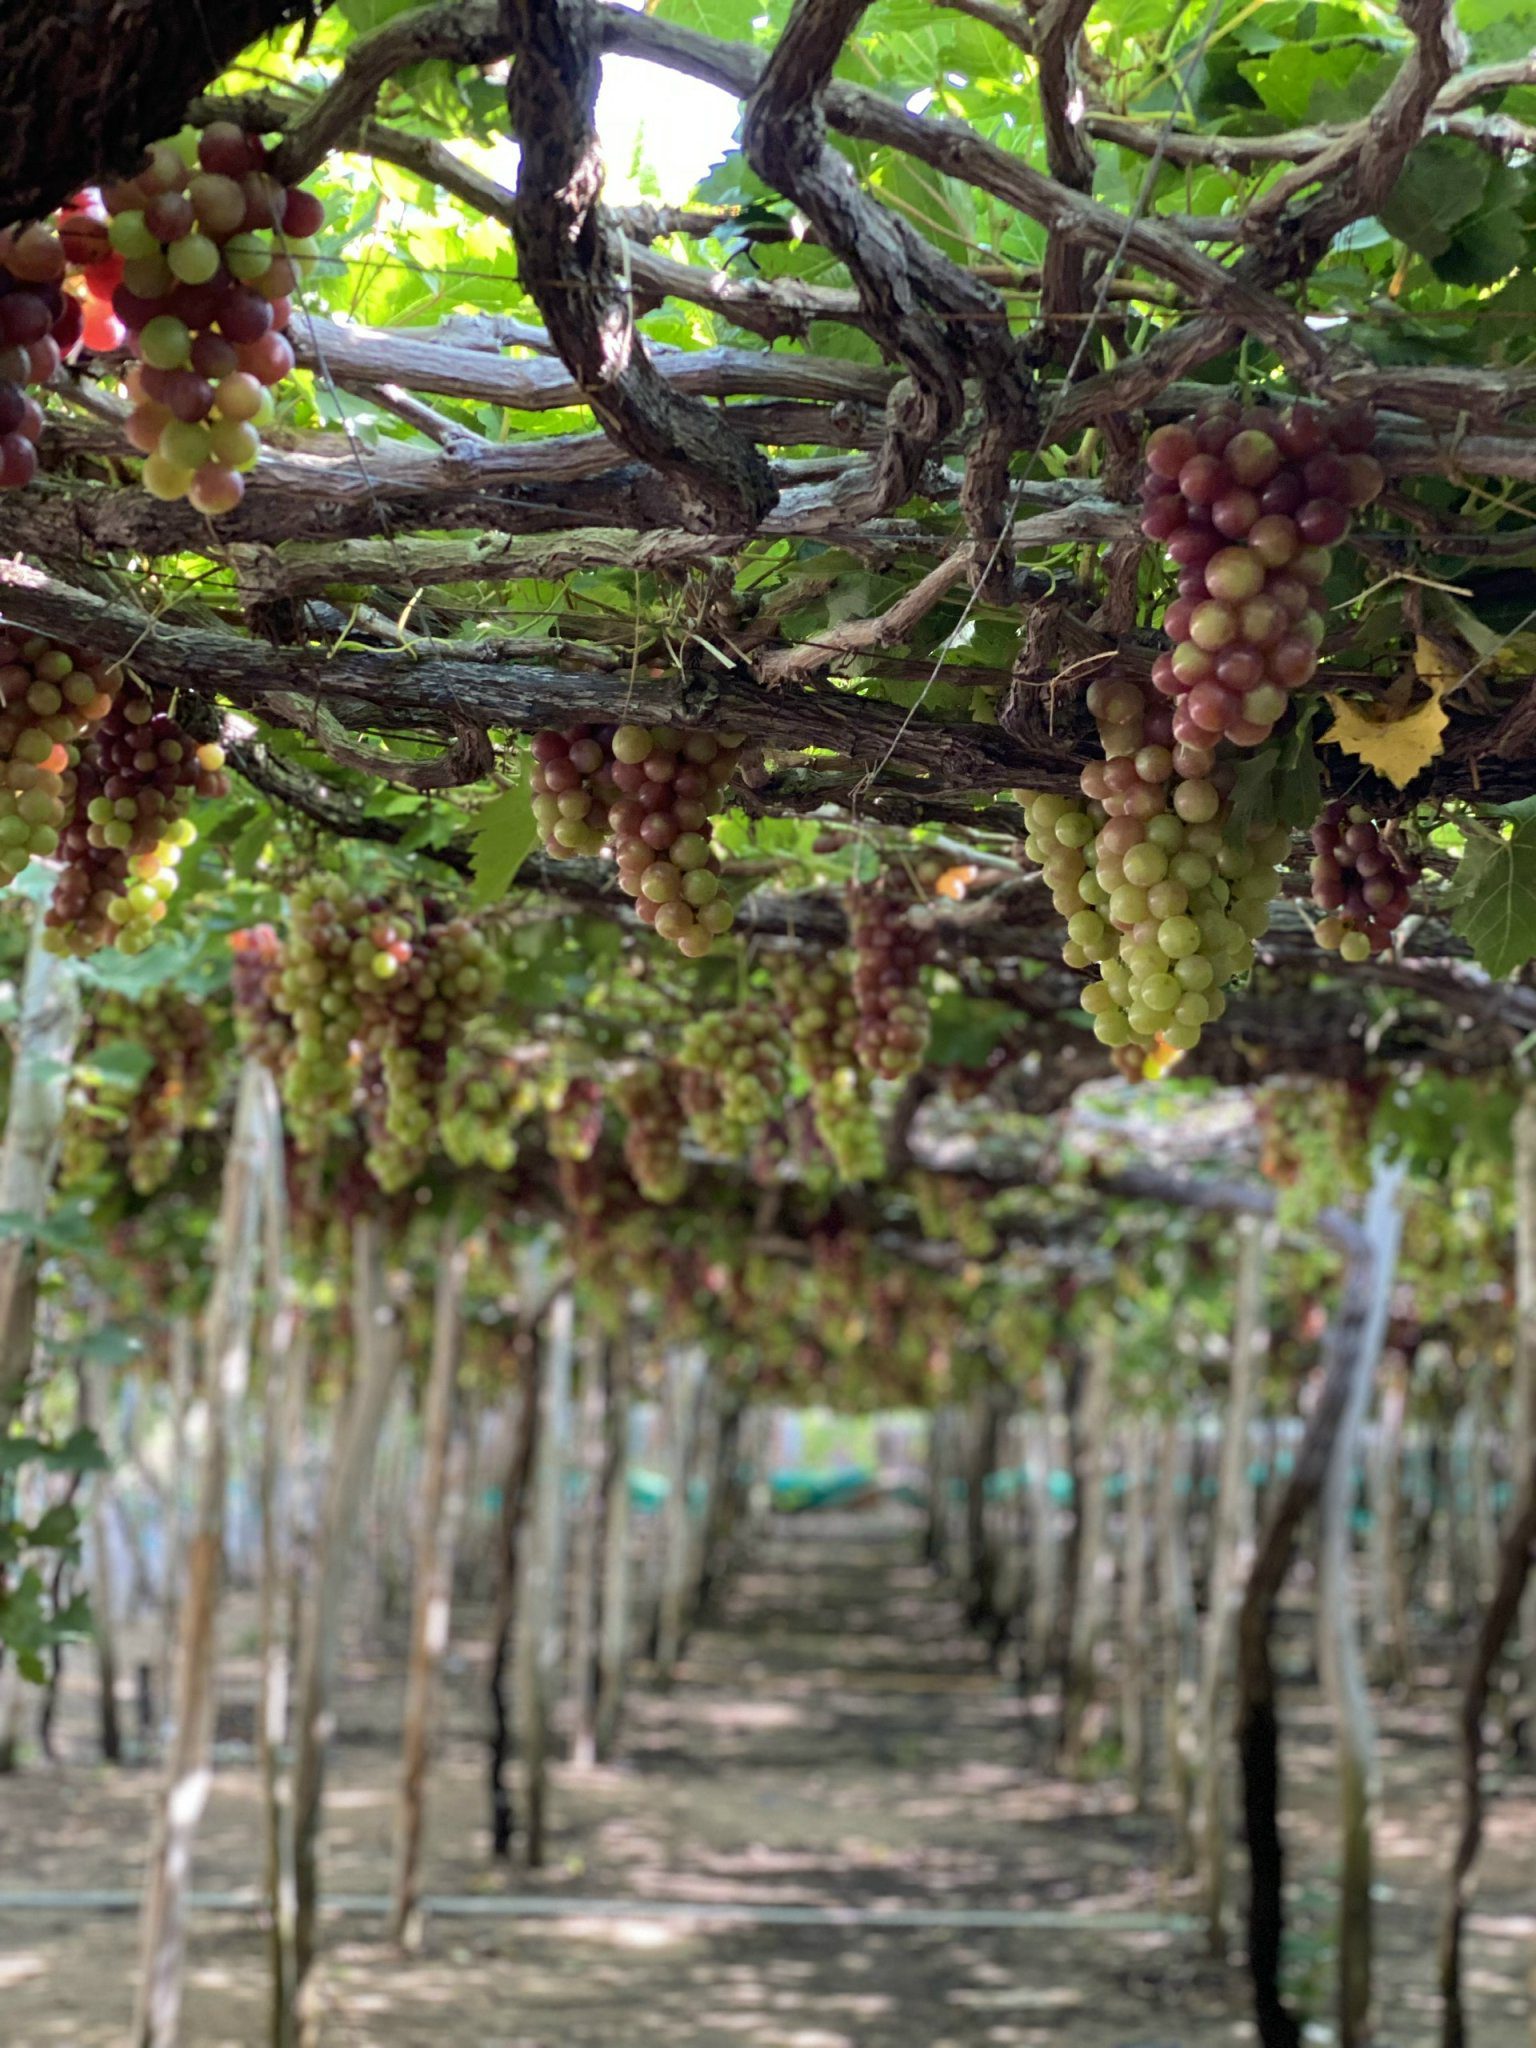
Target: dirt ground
[{"x": 834, "y": 1740}]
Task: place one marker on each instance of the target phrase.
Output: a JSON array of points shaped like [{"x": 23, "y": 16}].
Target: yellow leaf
[{"x": 1399, "y": 748}]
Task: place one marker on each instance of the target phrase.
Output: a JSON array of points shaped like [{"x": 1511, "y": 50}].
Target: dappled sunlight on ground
[{"x": 835, "y": 1742}]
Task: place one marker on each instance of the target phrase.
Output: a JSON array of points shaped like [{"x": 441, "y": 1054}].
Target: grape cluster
[
  {"x": 51, "y": 697},
  {"x": 646, "y": 792},
  {"x": 893, "y": 1018},
  {"x": 420, "y": 978},
  {"x": 573, "y": 1114},
  {"x": 128, "y": 826},
  {"x": 192, "y": 261},
  {"x": 1248, "y": 504},
  {"x": 733, "y": 1079},
  {"x": 39, "y": 324},
  {"x": 1155, "y": 891},
  {"x": 822, "y": 1014},
  {"x": 261, "y": 1027},
  {"x": 152, "y": 1112},
  {"x": 647, "y": 1099},
  {"x": 486, "y": 1095},
  {"x": 1360, "y": 881},
  {"x": 316, "y": 991}
]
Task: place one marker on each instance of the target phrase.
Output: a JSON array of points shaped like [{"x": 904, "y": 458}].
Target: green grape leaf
[
  {"x": 1495, "y": 910},
  {"x": 503, "y": 838}
]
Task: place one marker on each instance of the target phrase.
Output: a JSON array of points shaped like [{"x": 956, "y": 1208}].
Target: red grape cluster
[
  {"x": 51, "y": 697},
  {"x": 822, "y": 1014},
  {"x": 192, "y": 261},
  {"x": 39, "y": 324},
  {"x": 893, "y": 1012},
  {"x": 1360, "y": 881},
  {"x": 647, "y": 1099},
  {"x": 128, "y": 826},
  {"x": 1248, "y": 504},
  {"x": 648, "y": 793},
  {"x": 263, "y": 1030},
  {"x": 734, "y": 1078}
]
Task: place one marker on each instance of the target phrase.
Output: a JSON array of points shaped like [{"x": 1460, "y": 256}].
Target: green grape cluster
[
  {"x": 148, "y": 1114},
  {"x": 1158, "y": 894},
  {"x": 647, "y": 1099},
  {"x": 487, "y": 1094},
  {"x": 573, "y": 1113},
  {"x": 316, "y": 991},
  {"x": 734, "y": 1078},
  {"x": 822, "y": 1015},
  {"x": 51, "y": 698}
]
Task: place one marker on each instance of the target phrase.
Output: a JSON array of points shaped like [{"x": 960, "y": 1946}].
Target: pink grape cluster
[
  {"x": 1361, "y": 882},
  {"x": 129, "y": 827},
  {"x": 648, "y": 1101},
  {"x": 192, "y": 262},
  {"x": 1248, "y": 504},
  {"x": 647, "y": 794},
  {"x": 893, "y": 1011},
  {"x": 39, "y": 324}
]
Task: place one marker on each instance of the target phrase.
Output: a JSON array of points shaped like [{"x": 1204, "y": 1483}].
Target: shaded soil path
[{"x": 834, "y": 1740}]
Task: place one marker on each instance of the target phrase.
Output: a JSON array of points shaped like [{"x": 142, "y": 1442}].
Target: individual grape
[
  {"x": 647, "y": 1099},
  {"x": 1361, "y": 881},
  {"x": 892, "y": 1009}
]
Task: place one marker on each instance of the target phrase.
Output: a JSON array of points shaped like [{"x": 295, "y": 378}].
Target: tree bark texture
[
  {"x": 613, "y": 1641},
  {"x": 226, "y": 1357},
  {"x": 376, "y": 1338},
  {"x": 1177, "y": 1629},
  {"x": 84, "y": 87},
  {"x": 1093, "y": 1563},
  {"x": 540, "y": 1598},
  {"x": 432, "y": 1602},
  {"x": 587, "y": 1549},
  {"x": 1230, "y": 1534},
  {"x": 1134, "y": 1645},
  {"x": 46, "y": 1031},
  {"x": 1258, "y": 1738},
  {"x": 1340, "y": 1658}
]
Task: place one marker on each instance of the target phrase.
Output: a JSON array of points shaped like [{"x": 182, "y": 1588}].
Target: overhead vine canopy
[{"x": 839, "y": 454}]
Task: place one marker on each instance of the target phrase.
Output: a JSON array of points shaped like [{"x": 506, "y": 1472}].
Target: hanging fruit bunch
[
  {"x": 51, "y": 699},
  {"x": 646, "y": 794},
  {"x": 1249, "y": 505},
  {"x": 191, "y": 263},
  {"x": 129, "y": 825},
  {"x": 893, "y": 1021},
  {"x": 39, "y": 324},
  {"x": 1361, "y": 881}
]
